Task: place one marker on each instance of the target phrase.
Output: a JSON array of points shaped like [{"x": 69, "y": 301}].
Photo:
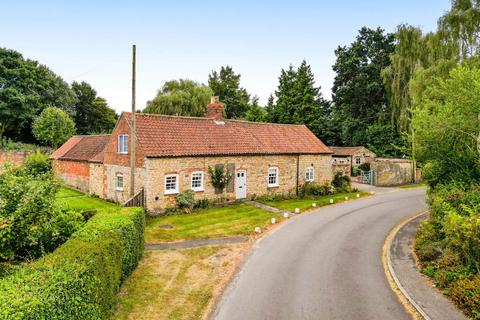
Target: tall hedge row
[{"x": 81, "y": 278}]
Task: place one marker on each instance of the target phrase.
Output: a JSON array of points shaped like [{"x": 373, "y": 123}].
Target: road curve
[{"x": 323, "y": 265}]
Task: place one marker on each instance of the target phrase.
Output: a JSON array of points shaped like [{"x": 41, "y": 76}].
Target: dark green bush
[
  {"x": 364, "y": 166},
  {"x": 341, "y": 182},
  {"x": 81, "y": 278},
  {"x": 315, "y": 189}
]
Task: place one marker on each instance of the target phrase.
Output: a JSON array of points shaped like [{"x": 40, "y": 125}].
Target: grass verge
[
  {"x": 177, "y": 284},
  {"x": 305, "y": 204},
  {"x": 413, "y": 186},
  {"x": 231, "y": 220}
]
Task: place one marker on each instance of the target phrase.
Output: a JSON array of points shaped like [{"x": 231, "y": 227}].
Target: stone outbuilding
[
  {"x": 346, "y": 158},
  {"x": 174, "y": 154}
]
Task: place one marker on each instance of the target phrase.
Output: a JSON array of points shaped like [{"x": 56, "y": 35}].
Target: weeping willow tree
[
  {"x": 461, "y": 25},
  {"x": 180, "y": 98},
  {"x": 421, "y": 59}
]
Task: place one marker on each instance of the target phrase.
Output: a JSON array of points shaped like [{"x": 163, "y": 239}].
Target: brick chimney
[{"x": 215, "y": 109}]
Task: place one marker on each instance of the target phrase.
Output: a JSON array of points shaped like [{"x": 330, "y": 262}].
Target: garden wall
[
  {"x": 73, "y": 173},
  {"x": 392, "y": 172},
  {"x": 16, "y": 158}
]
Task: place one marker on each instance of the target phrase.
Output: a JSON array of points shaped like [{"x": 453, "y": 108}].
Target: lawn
[
  {"x": 231, "y": 220},
  {"x": 72, "y": 199},
  {"x": 177, "y": 284},
  {"x": 305, "y": 204}
]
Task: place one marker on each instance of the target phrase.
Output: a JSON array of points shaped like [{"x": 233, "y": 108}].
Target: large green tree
[
  {"x": 53, "y": 127},
  {"x": 447, "y": 136},
  {"x": 180, "y": 97},
  {"x": 359, "y": 94},
  {"x": 255, "y": 112},
  {"x": 226, "y": 85},
  {"x": 299, "y": 101},
  {"x": 26, "y": 88},
  {"x": 92, "y": 113}
]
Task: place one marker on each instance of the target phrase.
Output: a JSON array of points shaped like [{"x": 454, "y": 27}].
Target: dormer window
[{"x": 122, "y": 144}]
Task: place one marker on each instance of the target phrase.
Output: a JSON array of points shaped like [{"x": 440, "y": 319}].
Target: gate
[
  {"x": 367, "y": 177},
  {"x": 137, "y": 200}
]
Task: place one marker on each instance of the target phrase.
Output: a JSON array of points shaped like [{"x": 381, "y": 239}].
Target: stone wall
[
  {"x": 98, "y": 180},
  {"x": 345, "y": 168},
  {"x": 111, "y": 191},
  {"x": 392, "y": 172},
  {"x": 256, "y": 168},
  {"x": 15, "y": 158},
  {"x": 73, "y": 173}
]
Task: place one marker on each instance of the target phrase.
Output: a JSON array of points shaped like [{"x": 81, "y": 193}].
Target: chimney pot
[{"x": 214, "y": 99}]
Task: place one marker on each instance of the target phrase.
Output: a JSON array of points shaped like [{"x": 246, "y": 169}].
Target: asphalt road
[{"x": 323, "y": 265}]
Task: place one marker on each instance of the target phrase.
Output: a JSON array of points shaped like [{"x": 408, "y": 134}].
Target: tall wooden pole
[{"x": 133, "y": 134}]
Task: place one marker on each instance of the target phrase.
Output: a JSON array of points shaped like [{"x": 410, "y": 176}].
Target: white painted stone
[
  {"x": 331, "y": 200},
  {"x": 297, "y": 210},
  {"x": 258, "y": 230},
  {"x": 358, "y": 195},
  {"x": 274, "y": 220},
  {"x": 286, "y": 215},
  {"x": 346, "y": 198},
  {"x": 314, "y": 204}
]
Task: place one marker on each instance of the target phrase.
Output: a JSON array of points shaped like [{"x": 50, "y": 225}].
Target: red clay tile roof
[
  {"x": 172, "y": 136},
  {"x": 345, "y": 151},
  {"x": 82, "y": 148}
]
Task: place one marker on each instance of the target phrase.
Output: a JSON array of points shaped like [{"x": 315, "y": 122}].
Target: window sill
[
  {"x": 273, "y": 185},
  {"x": 119, "y": 189},
  {"x": 169, "y": 193},
  {"x": 122, "y": 152},
  {"x": 198, "y": 190}
]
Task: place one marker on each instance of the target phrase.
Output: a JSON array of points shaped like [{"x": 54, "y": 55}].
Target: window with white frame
[
  {"x": 122, "y": 144},
  {"x": 196, "y": 183},
  {"x": 273, "y": 177},
  {"x": 309, "y": 174},
  {"x": 358, "y": 160},
  {"x": 119, "y": 182},
  {"x": 171, "y": 183}
]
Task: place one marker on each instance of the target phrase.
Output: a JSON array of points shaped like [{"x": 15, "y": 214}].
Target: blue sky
[{"x": 91, "y": 40}]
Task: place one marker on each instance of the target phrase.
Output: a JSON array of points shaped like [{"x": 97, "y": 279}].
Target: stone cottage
[
  {"x": 174, "y": 154},
  {"x": 346, "y": 158}
]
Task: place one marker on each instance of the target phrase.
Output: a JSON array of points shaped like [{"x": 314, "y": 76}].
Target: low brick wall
[
  {"x": 73, "y": 173},
  {"x": 392, "y": 172},
  {"x": 15, "y": 158}
]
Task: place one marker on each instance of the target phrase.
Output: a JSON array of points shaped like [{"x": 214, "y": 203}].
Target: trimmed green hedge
[{"x": 81, "y": 278}]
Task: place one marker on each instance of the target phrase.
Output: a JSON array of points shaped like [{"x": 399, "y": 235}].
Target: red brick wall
[
  {"x": 112, "y": 157},
  {"x": 16, "y": 158},
  {"x": 73, "y": 173}
]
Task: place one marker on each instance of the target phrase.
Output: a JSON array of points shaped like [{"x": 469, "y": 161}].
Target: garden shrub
[
  {"x": 315, "y": 189},
  {"x": 81, "y": 278},
  {"x": 448, "y": 243},
  {"x": 341, "y": 182},
  {"x": 186, "y": 200},
  {"x": 30, "y": 222},
  {"x": 364, "y": 166},
  {"x": 37, "y": 164}
]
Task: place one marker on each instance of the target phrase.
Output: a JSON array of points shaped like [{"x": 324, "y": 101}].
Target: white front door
[{"x": 241, "y": 184}]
